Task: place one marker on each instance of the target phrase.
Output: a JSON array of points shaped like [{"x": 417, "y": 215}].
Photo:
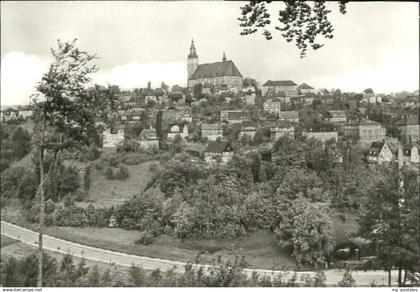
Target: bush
[
  {"x": 68, "y": 201},
  {"x": 99, "y": 165},
  {"x": 109, "y": 173},
  {"x": 71, "y": 216},
  {"x": 146, "y": 238},
  {"x": 79, "y": 195},
  {"x": 122, "y": 173},
  {"x": 86, "y": 178}
]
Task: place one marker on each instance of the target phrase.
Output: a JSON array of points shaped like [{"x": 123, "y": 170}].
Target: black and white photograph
[{"x": 210, "y": 144}]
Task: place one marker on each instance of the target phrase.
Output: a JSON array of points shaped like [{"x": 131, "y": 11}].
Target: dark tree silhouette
[{"x": 300, "y": 21}]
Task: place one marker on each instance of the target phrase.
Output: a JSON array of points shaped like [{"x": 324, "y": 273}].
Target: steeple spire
[
  {"x": 224, "y": 57},
  {"x": 193, "y": 51}
]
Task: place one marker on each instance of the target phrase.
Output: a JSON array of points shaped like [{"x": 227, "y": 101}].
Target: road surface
[{"x": 102, "y": 255}]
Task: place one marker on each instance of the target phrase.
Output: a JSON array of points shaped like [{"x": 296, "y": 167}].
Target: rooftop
[
  {"x": 212, "y": 70},
  {"x": 279, "y": 83},
  {"x": 288, "y": 115},
  {"x": 305, "y": 86},
  {"x": 218, "y": 147}
]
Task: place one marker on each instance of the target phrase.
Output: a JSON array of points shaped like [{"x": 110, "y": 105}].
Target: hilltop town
[{"x": 226, "y": 164}]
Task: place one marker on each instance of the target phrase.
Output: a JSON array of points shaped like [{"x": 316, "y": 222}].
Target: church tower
[
  {"x": 224, "y": 57},
  {"x": 192, "y": 60}
]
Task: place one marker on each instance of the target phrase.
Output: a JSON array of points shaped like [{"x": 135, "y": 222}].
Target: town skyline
[{"x": 390, "y": 63}]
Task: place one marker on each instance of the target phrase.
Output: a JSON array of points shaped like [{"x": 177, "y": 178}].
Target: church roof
[{"x": 212, "y": 70}]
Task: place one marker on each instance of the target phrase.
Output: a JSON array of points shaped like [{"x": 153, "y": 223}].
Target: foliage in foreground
[{"x": 224, "y": 273}]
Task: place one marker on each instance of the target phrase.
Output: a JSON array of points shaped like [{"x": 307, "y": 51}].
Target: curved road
[{"x": 102, "y": 255}]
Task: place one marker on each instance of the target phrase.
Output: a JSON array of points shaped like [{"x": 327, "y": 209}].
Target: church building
[{"x": 219, "y": 74}]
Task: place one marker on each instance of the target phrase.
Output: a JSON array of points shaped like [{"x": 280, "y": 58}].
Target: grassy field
[
  {"x": 259, "y": 247},
  {"x": 107, "y": 193},
  {"x": 20, "y": 250},
  {"x": 5, "y": 241},
  {"x": 344, "y": 229}
]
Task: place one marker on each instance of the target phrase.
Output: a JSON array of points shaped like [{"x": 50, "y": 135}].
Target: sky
[{"x": 376, "y": 44}]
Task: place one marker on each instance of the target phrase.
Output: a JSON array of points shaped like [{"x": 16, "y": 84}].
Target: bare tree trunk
[
  {"x": 41, "y": 215},
  {"x": 399, "y": 276},
  {"x": 389, "y": 277},
  {"x": 41, "y": 201}
]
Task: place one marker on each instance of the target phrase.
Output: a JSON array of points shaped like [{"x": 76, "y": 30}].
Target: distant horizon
[{"x": 151, "y": 41}]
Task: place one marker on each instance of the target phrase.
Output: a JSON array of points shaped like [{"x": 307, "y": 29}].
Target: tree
[
  {"x": 198, "y": 91},
  {"x": 21, "y": 140},
  {"x": 247, "y": 82},
  {"x": 65, "y": 113},
  {"x": 164, "y": 86},
  {"x": 306, "y": 229},
  {"x": 300, "y": 21},
  {"x": 159, "y": 125},
  {"x": 391, "y": 220}
]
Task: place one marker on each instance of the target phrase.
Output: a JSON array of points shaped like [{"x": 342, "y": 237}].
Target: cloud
[
  {"x": 398, "y": 72},
  {"x": 134, "y": 75},
  {"x": 19, "y": 75}
]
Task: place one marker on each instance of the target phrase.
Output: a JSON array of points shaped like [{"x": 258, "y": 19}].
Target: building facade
[
  {"x": 379, "y": 152},
  {"x": 211, "y": 131},
  {"x": 176, "y": 130},
  {"x": 218, "y": 152},
  {"x": 248, "y": 128},
  {"x": 287, "y": 87},
  {"x": 289, "y": 116},
  {"x": 410, "y": 129},
  {"x": 272, "y": 105},
  {"x": 366, "y": 131},
  {"x": 148, "y": 139},
  {"x": 280, "y": 129},
  {"x": 111, "y": 139},
  {"x": 323, "y": 135},
  {"x": 234, "y": 116}
]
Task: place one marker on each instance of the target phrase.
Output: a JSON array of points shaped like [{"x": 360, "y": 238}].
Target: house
[
  {"x": 248, "y": 90},
  {"x": 185, "y": 116},
  {"x": 282, "y": 128},
  {"x": 287, "y": 87},
  {"x": 234, "y": 116},
  {"x": 148, "y": 139},
  {"x": 379, "y": 152},
  {"x": 410, "y": 130},
  {"x": 152, "y": 98},
  {"x": 337, "y": 116},
  {"x": 290, "y": 116},
  {"x": 305, "y": 89},
  {"x": 248, "y": 128},
  {"x": 218, "y": 151},
  {"x": 211, "y": 131},
  {"x": 409, "y": 154},
  {"x": 366, "y": 131},
  {"x": 272, "y": 105},
  {"x": 370, "y": 97},
  {"x": 176, "y": 130},
  {"x": 9, "y": 115},
  {"x": 323, "y": 133},
  {"x": 25, "y": 114},
  {"x": 306, "y": 99},
  {"x": 111, "y": 138},
  {"x": 249, "y": 99}
]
